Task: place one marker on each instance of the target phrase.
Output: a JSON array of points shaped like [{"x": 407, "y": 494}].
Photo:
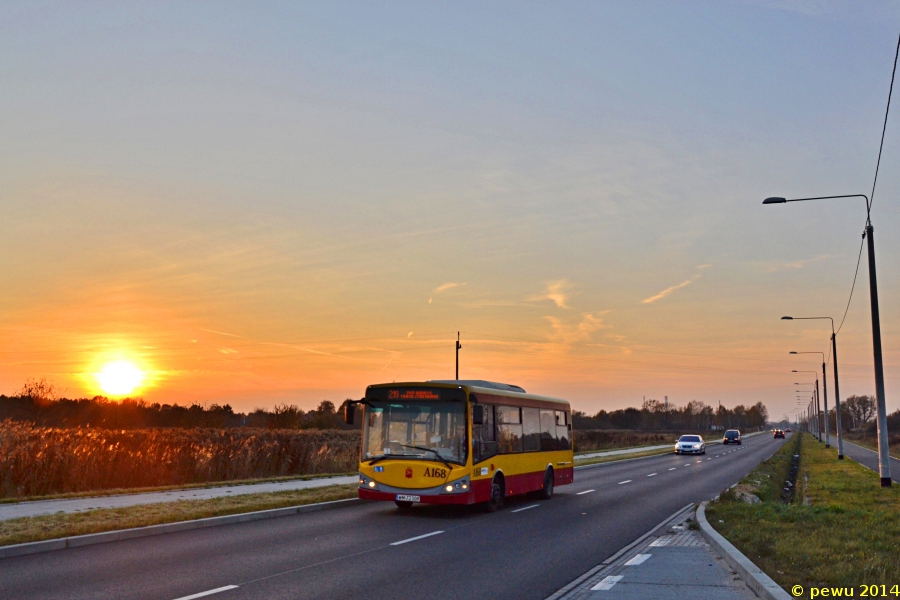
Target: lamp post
[
  {"x": 884, "y": 457},
  {"x": 816, "y": 397},
  {"x": 824, "y": 394},
  {"x": 837, "y": 388}
]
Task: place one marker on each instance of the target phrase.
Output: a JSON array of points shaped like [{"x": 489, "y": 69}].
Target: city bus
[{"x": 460, "y": 442}]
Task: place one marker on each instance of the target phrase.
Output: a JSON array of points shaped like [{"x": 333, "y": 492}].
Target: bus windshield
[{"x": 415, "y": 430}]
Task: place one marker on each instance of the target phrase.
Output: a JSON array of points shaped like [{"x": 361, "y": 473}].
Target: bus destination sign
[{"x": 406, "y": 394}]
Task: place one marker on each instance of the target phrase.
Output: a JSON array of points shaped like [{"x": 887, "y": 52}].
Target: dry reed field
[
  {"x": 36, "y": 461},
  {"x": 604, "y": 439}
]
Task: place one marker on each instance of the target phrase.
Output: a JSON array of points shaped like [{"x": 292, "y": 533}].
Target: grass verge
[
  {"x": 33, "y": 529},
  {"x": 842, "y": 529}
]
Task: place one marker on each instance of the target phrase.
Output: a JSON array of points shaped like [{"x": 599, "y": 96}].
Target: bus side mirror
[
  {"x": 477, "y": 414},
  {"x": 349, "y": 413}
]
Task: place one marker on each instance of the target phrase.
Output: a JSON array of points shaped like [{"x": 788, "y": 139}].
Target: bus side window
[
  {"x": 509, "y": 429},
  {"x": 531, "y": 421},
  {"x": 484, "y": 436},
  {"x": 562, "y": 430},
  {"x": 548, "y": 430}
]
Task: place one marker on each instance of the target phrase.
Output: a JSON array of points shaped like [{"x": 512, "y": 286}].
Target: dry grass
[
  {"x": 38, "y": 461},
  {"x": 591, "y": 440},
  {"x": 33, "y": 529}
]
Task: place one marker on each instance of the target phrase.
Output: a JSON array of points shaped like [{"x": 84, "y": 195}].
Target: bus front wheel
[{"x": 495, "y": 502}]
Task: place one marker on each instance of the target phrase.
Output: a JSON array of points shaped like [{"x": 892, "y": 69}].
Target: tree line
[
  {"x": 38, "y": 402},
  {"x": 655, "y": 415}
]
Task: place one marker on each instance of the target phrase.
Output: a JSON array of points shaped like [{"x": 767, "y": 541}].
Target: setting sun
[{"x": 119, "y": 377}]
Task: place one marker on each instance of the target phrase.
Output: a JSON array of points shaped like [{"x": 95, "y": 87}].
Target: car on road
[
  {"x": 778, "y": 434},
  {"x": 788, "y": 430},
  {"x": 690, "y": 444},
  {"x": 732, "y": 436}
]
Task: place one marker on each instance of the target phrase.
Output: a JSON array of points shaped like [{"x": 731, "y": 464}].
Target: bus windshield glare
[{"x": 415, "y": 430}]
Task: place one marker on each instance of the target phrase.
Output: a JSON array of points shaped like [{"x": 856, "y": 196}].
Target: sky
[{"x": 267, "y": 203}]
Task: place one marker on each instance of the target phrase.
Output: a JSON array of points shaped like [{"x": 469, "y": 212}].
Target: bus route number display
[{"x": 413, "y": 395}]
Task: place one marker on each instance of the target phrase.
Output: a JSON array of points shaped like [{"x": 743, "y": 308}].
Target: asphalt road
[{"x": 527, "y": 551}]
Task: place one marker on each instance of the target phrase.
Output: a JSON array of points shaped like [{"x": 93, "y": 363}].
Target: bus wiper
[
  {"x": 377, "y": 458},
  {"x": 439, "y": 457}
]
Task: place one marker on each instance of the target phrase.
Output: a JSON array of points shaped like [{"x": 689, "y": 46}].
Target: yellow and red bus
[{"x": 460, "y": 442}]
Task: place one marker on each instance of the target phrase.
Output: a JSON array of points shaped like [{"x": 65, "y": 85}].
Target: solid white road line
[
  {"x": 607, "y": 582},
  {"x": 526, "y": 508},
  {"x": 585, "y": 492},
  {"x": 673, "y": 468},
  {"x": 626, "y": 481},
  {"x": 418, "y": 537},
  {"x": 638, "y": 559},
  {"x": 651, "y": 474},
  {"x": 208, "y": 593}
]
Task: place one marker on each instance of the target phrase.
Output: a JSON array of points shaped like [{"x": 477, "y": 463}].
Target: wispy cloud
[
  {"x": 448, "y": 286},
  {"x": 669, "y": 290},
  {"x": 557, "y": 291},
  {"x": 796, "y": 264},
  {"x": 568, "y": 334}
]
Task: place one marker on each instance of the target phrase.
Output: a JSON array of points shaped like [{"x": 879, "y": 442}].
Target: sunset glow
[{"x": 119, "y": 378}]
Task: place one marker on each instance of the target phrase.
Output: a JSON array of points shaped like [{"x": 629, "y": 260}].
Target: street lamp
[
  {"x": 837, "y": 388},
  {"x": 884, "y": 457},
  {"x": 824, "y": 394},
  {"x": 816, "y": 396}
]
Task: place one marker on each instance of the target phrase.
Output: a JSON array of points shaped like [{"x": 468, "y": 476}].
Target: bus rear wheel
[
  {"x": 546, "y": 492},
  {"x": 495, "y": 502},
  {"x": 403, "y": 504}
]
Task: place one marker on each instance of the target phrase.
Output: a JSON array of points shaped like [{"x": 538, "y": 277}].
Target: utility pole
[
  {"x": 458, "y": 346},
  {"x": 837, "y": 395}
]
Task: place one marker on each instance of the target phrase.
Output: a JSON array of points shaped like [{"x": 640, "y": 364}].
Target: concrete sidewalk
[
  {"x": 72, "y": 505},
  {"x": 672, "y": 563}
]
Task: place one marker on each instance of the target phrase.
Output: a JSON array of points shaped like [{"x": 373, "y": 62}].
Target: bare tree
[
  {"x": 861, "y": 409},
  {"x": 40, "y": 391}
]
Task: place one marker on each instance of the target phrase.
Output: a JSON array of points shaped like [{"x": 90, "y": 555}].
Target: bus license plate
[{"x": 406, "y": 498}]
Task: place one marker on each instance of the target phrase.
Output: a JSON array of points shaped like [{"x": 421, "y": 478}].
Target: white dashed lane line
[
  {"x": 673, "y": 468},
  {"x": 607, "y": 582},
  {"x": 651, "y": 474},
  {"x": 208, "y": 593},
  {"x": 585, "y": 492},
  {"x": 638, "y": 559},
  {"x": 419, "y": 537},
  {"x": 626, "y": 481},
  {"x": 526, "y": 508}
]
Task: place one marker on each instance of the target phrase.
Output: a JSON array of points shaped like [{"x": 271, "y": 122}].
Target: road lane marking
[
  {"x": 626, "y": 481},
  {"x": 673, "y": 468},
  {"x": 208, "y": 592},
  {"x": 709, "y": 459},
  {"x": 687, "y": 465},
  {"x": 418, "y": 537},
  {"x": 607, "y": 582},
  {"x": 699, "y": 461},
  {"x": 585, "y": 492},
  {"x": 651, "y": 474},
  {"x": 526, "y": 508},
  {"x": 638, "y": 559}
]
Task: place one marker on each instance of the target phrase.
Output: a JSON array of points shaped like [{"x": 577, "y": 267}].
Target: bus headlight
[
  {"x": 456, "y": 487},
  {"x": 371, "y": 484}
]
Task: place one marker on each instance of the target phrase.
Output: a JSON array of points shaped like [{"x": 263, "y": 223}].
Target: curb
[
  {"x": 137, "y": 532},
  {"x": 756, "y": 580}
]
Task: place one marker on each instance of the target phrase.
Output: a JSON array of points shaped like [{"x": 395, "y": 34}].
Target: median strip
[{"x": 418, "y": 537}]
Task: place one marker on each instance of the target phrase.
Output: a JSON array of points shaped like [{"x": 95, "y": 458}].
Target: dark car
[
  {"x": 732, "y": 436},
  {"x": 779, "y": 434},
  {"x": 788, "y": 430}
]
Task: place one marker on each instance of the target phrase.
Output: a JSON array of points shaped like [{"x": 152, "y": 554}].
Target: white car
[{"x": 690, "y": 444}]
